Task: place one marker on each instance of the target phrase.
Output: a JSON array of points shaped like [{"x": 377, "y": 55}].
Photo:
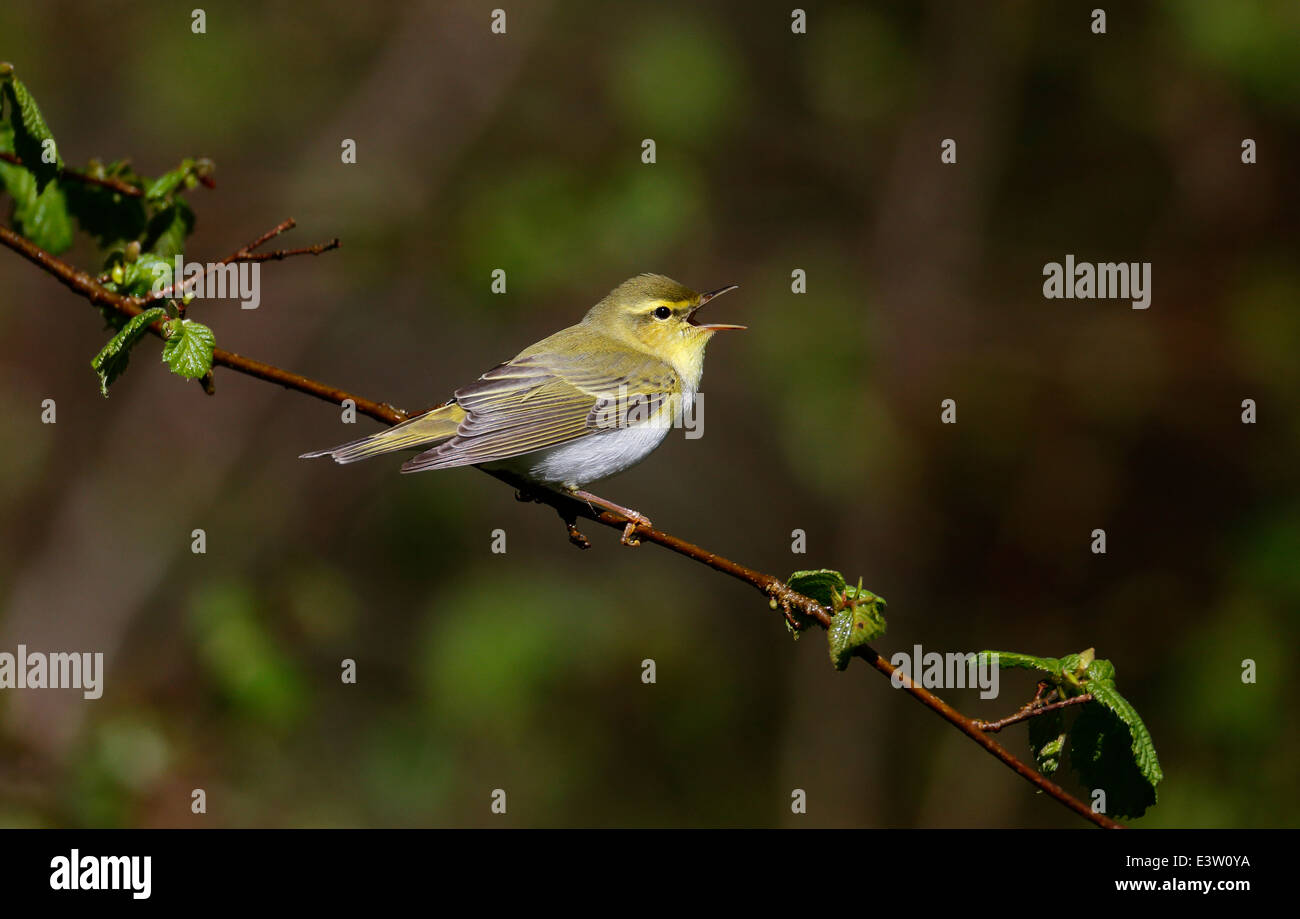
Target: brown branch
[
  {"x": 380, "y": 411},
  {"x": 1031, "y": 710},
  {"x": 788, "y": 600},
  {"x": 116, "y": 185},
  {"x": 569, "y": 509}
]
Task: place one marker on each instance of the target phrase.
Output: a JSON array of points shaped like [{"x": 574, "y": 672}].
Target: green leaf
[
  {"x": 168, "y": 182},
  {"x": 41, "y": 217},
  {"x": 1109, "y": 745},
  {"x": 107, "y": 215},
  {"x": 121, "y": 170},
  {"x": 1099, "y": 670},
  {"x": 861, "y": 620},
  {"x": 1047, "y": 740},
  {"x": 31, "y": 133},
  {"x": 822, "y": 584},
  {"x": 1143, "y": 748},
  {"x": 112, "y": 360},
  {"x": 188, "y": 348},
  {"x": 46, "y": 222},
  {"x": 146, "y": 275},
  {"x": 1101, "y": 753},
  {"x": 858, "y": 614},
  {"x": 168, "y": 229},
  {"x": 1010, "y": 659},
  {"x": 152, "y": 273}
]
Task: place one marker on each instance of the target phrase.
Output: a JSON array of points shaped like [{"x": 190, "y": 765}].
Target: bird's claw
[
  {"x": 629, "y": 532},
  {"x": 575, "y": 535}
]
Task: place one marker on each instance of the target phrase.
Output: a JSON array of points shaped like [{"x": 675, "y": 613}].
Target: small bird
[{"x": 578, "y": 406}]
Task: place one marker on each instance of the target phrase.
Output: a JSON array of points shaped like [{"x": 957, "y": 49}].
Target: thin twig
[
  {"x": 1031, "y": 710},
  {"x": 245, "y": 254},
  {"x": 785, "y": 597},
  {"x": 283, "y": 226},
  {"x": 1027, "y": 711},
  {"x": 116, "y": 185},
  {"x": 281, "y": 254}
]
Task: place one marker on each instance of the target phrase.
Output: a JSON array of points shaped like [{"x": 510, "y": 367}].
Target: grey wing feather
[{"x": 538, "y": 401}]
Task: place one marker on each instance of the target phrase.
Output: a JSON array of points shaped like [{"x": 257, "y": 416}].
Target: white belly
[
  {"x": 586, "y": 459},
  {"x": 595, "y": 456}
]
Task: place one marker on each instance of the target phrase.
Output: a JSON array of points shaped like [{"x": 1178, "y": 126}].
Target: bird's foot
[
  {"x": 571, "y": 527},
  {"x": 575, "y": 535},
  {"x": 629, "y": 532},
  {"x": 631, "y": 517}
]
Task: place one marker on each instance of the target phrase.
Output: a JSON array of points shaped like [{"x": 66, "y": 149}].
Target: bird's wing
[{"x": 541, "y": 400}]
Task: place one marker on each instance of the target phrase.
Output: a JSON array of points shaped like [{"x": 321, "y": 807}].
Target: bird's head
[{"x": 658, "y": 315}]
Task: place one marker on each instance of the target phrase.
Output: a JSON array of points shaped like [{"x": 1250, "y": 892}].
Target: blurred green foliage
[
  {"x": 523, "y": 671},
  {"x": 252, "y": 674}
]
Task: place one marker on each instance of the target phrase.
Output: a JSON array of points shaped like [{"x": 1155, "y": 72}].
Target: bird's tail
[{"x": 434, "y": 425}]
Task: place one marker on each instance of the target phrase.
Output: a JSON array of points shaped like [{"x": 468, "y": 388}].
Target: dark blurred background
[{"x": 775, "y": 151}]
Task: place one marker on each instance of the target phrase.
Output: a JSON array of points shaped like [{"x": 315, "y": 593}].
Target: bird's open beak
[{"x": 705, "y": 298}]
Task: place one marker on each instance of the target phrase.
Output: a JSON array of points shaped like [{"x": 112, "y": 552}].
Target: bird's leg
[
  {"x": 575, "y": 535},
  {"x": 633, "y": 518},
  {"x": 570, "y": 520}
]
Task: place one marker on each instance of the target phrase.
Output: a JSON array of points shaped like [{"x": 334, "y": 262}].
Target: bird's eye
[{"x": 663, "y": 312}]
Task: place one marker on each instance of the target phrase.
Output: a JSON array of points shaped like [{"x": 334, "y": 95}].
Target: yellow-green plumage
[
  {"x": 434, "y": 425},
  {"x": 634, "y": 361}
]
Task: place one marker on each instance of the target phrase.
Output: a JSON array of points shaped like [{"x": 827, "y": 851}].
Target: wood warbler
[{"x": 582, "y": 404}]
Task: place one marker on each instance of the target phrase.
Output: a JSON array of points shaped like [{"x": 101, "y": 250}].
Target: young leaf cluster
[
  {"x": 139, "y": 224},
  {"x": 1108, "y": 744},
  {"x": 858, "y": 615}
]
